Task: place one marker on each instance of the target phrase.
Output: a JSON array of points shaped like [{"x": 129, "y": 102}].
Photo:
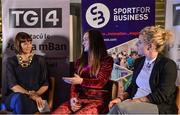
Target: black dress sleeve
[
  {"x": 10, "y": 73},
  {"x": 44, "y": 77}
]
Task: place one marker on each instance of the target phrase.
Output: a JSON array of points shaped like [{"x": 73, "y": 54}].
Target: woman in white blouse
[{"x": 153, "y": 84}]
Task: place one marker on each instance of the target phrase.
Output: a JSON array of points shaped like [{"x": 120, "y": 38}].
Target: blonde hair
[{"x": 157, "y": 35}]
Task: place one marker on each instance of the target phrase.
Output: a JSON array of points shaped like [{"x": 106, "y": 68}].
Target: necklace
[
  {"x": 148, "y": 65},
  {"x": 24, "y": 63}
]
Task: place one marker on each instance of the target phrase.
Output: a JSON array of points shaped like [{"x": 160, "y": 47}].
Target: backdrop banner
[
  {"x": 172, "y": 22},
  {"x": 47, "y": 21},
  {"x": 120, "y": 22}
]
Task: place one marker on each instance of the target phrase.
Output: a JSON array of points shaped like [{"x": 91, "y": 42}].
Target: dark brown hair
[
  {"x": 20, "y": 38},
  {"x": 97, "y": 50}
]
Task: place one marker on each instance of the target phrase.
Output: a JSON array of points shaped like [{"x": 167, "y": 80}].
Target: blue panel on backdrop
[{"x": 119, "y": 20}]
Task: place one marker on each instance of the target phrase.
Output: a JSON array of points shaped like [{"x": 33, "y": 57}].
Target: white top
[{"x": 142, "y": 80}]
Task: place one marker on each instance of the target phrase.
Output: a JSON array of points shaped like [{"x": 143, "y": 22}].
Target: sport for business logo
[
  {"x": 97, "y": 15},
  {"x": 35, "y": 18}
]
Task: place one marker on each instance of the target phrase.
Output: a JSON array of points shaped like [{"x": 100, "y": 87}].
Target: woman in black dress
[{"x": 26, "y": 76}]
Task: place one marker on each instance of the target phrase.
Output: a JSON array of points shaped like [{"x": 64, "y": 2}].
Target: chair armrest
[
  {"x": 51, "y": 92},
  {"x": 178, "y": 99},
  {"x": 115, "y": 87}
]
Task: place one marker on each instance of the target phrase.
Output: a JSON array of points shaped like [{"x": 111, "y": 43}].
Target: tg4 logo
[{"x": 35, "y": 18}]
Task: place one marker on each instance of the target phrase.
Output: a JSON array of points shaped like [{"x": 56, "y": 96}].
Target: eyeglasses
[{"x": 139, "y": 42}]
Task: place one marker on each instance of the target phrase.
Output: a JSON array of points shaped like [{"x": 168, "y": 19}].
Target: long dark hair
[{"x": 97, "y": 50}]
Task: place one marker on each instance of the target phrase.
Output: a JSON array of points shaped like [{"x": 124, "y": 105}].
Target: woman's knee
[
  {"x": 114, "y": 110},
  {"x": 21, "y": 97},
  {"x": 18, "y": 99},
  {"x": 119, "y": 108},
  {"x": 63, "y": 109},
  {"x": 20, "y": 103}
]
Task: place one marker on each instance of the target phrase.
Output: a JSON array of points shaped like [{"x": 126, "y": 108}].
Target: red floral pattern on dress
[{"x": 90, "y": 105}]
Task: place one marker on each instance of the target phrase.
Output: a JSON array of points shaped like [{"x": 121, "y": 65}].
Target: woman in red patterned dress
[{"x": 92, "y": 72}]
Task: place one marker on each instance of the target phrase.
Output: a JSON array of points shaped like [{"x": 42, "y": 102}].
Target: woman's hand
[
  {"x": 128, "y": 100},
  {"x": 75, "y": 105},
  {"x": 75, "y": 80},
  {"x": 135, "y": 100},
  {"x": 113, "y": 102},
  {"x": 121, "y": 97},
  {"x": 141, "y": 99},
  {"x": 39, "y": 101}
]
